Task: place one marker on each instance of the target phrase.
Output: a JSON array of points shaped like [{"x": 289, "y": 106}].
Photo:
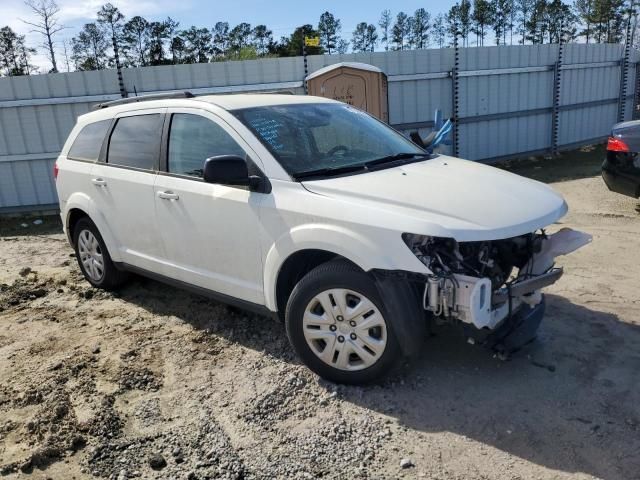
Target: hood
[{"x": 451, "y": 197}]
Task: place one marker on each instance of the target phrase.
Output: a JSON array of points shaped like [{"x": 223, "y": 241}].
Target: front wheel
[{"x": 338, "y": 325}]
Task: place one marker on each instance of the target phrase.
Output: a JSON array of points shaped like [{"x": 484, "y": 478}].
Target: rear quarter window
[{"x": 88, "y": 143}]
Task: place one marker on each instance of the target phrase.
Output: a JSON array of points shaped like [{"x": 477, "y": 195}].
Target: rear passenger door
[
  {"x": 123, "y": 185},
  {"x": 209, "y": 231}
]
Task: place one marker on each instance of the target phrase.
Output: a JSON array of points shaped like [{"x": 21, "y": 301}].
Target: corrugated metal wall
[{"x": 505, "y": 104}]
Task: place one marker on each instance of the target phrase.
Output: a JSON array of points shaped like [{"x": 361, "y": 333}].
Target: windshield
[{"x": 326, "y": 139}]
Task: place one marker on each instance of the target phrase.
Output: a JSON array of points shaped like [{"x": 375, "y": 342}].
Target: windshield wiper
[
  {"x": 394, "y": 158},
  {"x": 329, "y": 171}
]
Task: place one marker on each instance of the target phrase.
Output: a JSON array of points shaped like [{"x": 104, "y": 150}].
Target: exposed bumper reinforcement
[{"x": 527, "y": 286}]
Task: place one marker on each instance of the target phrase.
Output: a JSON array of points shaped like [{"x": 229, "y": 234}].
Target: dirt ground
[{"x": 154, "y": 382}]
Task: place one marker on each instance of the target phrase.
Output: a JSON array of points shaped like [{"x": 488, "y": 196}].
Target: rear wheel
[
  {"x": 93, "y": 258},
  {"x": 338, "y": 326}
]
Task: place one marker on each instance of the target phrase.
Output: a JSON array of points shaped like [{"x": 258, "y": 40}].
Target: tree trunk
[{"x": 51, "y": 52}]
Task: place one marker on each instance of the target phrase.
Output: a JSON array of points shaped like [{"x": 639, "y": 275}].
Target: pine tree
[
  {"x": 111, "y": 20},
  {"x": 400, "y": 31},
  {"x": 158, "y": 35},
  {"x": 536, "y": 25},
  {"x": 481, "y": 19},
  {"x": 513, "y": 16},
  {"x": 385, "y": 24},
  {"x": 239, "y": 37},
  {"x": 465, "y": 21},
  {"x": 172, "y": 35},
  {"x": 439, "y": 30},
  {"x": 135, "y": 36},
  {"x": 608, "y": 20},
  {"x": 262, "y": 38},
  {"x": 221, "y": 39},
  {"x": 90, "y": 47},
  {"x": 500, "y": 12},
  {"x": 524, "y": 8},
  {"x": 419, "y": 28},
  {"x": 560, "y": 21},
  {"x": 197, "y": 45},
  {"x": 584, "y": 11},
  {"x": 453, "y": 20},
  {"x": 364, "y": 38},
  {"x": 329, "y": 28},
  {"x": 342, "y": 46},
  {"x": 14, "y": 54}
]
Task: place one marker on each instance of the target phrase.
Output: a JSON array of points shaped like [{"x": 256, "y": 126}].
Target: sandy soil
[{"x": 101, "y": 385}]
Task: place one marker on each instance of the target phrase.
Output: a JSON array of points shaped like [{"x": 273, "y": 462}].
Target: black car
[{"x": 621, "y": 167}]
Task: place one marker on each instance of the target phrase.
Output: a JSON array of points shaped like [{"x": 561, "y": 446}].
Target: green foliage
[
  {"x": 90, "y": 48},
  {"x": 364, "y": 38},
  {"x": 329, "y": 27},
  {"x": 400, "y": 32},
  {"x": 419, "y": 27},
  {"x": 135, "y": 38},
  {"x": 197, "y": 45},
  {"x": 385, "y": 24},
  {"x": 110, "y": 19},
  {"x": 292, "y": 46},
  {"x": 459, "y": 21},
  {"x": 482, "y": 18},
  {"x": 500, "y": 15},
  {"x": 439, "y": 30},
  {"x": 14, "y": 54},
  {"x": 113, "y": 40}
]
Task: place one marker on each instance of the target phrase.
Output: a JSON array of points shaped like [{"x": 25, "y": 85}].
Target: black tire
[
  {"x": 338, "y": 274},
  {"x": 111, "y": 278}
]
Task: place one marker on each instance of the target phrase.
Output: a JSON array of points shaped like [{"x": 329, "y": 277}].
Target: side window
[
  {"x": 193, "y": 139},
  {"x": 135, "y": 141},
  {"x": 88, "y": 143}
]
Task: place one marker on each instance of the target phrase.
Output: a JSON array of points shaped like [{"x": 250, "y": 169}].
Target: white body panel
[{"x": 235, "y": 242}]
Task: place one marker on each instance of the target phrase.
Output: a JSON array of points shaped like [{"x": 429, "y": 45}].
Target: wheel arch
[
  {"x": 296, "y": 266},
  {"x": 79, "y": 206},
  {"x": 311, "y": 245}
]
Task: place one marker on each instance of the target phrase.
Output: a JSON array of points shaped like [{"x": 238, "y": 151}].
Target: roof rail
[
  {"x": 144, "y": 98},
  {"x": 274, "y": 92}
]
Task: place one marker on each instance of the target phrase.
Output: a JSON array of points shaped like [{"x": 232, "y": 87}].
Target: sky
[{"x": 281, "y": 16}]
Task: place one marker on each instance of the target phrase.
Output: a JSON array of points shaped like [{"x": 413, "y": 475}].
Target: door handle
[
  {"x": 168, "y": 195},
  {"x": 99, "y": 182}
]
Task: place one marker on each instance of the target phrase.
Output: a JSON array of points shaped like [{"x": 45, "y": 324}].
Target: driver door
[{"x": 209, "y": 231}]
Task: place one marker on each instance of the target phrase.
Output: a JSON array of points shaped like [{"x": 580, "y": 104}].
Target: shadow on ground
[
  {"x": 582, "y": 163},
  {"x": 568, "y": 402},
  {"x": 23, "y": 226}
]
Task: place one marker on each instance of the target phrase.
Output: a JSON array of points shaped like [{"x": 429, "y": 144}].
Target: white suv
[{"x": 316, "y": 212}]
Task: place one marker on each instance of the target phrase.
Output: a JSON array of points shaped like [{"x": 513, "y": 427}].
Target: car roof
[
  {"x": 227, "y": 102},
  {"x": 249, "y": 100}
]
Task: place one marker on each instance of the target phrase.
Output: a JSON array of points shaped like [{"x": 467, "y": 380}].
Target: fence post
[
  {"x": 555, "y": 118},
  {"x": 624, "y": 73},
  {"x": 304, "y": 59},
  {"x": 455, "y": 90},
  {"x": 123, "y": 91}
]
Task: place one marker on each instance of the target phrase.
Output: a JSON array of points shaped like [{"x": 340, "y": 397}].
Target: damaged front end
[{"x": 492, "y": 289}]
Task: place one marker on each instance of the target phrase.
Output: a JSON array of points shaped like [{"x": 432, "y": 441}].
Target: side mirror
[{"x": 227, "y": 170}]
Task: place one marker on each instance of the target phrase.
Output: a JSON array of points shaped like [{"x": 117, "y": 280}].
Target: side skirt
[{"x": 217, "y": 296}]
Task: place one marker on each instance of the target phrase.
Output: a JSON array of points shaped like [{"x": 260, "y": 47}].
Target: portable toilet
[{"x": 359, "y": 84}]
